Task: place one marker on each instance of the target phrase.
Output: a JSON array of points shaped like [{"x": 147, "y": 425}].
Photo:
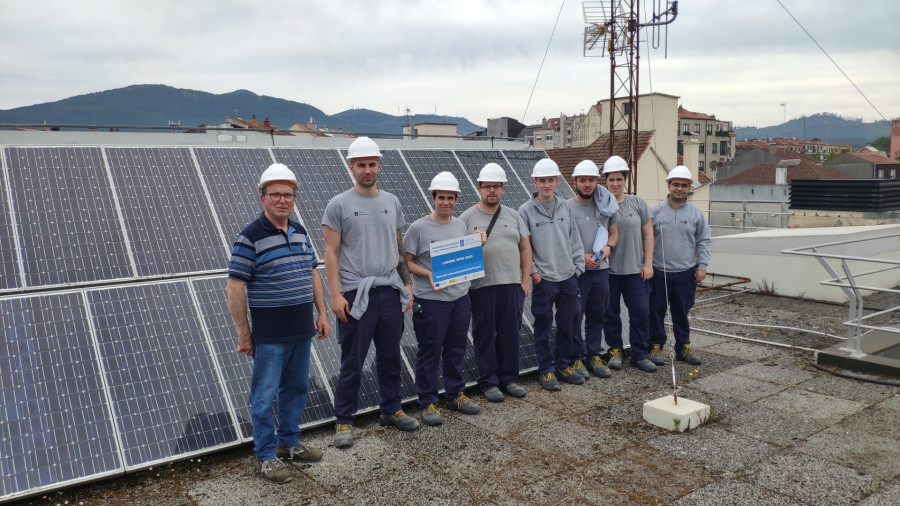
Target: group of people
[{"x": 578, "y": 258}]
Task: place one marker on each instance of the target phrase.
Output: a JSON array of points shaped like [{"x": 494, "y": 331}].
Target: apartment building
[{"x": 715, "y": 137}]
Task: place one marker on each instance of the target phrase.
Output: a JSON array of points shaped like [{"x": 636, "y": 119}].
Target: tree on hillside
[{"x": 882, "y": 144}]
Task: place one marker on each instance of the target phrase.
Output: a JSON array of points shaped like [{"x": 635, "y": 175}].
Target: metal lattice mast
[{"x": 614, "y": 29}]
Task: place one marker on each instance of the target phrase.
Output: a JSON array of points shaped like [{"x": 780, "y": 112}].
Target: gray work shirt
[
  {"x": 682, "y": 238},
  {"x": 417, "y": 241},
  {"x": 555, "y": 243},
  {"x": 368, "y": 226},
  {"x": 502, "y": 261},
  {"x": 587, "y": 222},
  {"x": 628, "y": 257}
]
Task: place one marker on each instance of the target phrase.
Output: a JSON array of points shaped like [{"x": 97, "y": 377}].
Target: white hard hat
[
  {"x": 444, "y": 181},
  {"x": 615, "y": 164},
  {"x": 492, "y": 173},
  {"x": 545, "y": 167},
  {"x": 586, "y": 168},
  {"x": 363, "y": 147},
  {"x": 680, "y": 172},
  {"x": 278, "y": 173}
]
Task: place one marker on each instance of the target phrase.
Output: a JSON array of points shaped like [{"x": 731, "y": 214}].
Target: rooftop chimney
[{"x": 266, "y": 123}]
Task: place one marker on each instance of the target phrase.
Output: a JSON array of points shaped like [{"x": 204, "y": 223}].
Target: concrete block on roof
[{"x": 683, "y": 416}]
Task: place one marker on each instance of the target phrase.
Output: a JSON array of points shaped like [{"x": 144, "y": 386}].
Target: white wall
[{"x": 757, "y": 255}]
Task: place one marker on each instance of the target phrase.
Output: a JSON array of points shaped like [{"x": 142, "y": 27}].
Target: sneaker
[
  {"x": 343, "y": 435},
  {"x": 273, "y": 470},
  {"x": 548, "y": 382},
  {"x": 431, "y": 415},
  {"x": 599, "y": 367},
  {"x": 687, "y": 355},
  {"x": 516, "y": 390},
  {"x": 615, "y": 359},
  {"x": 645, "y": 365},
  {"x": 400, "y": 420},
  {"x": 494, "y": 394},
  {"x": 299, "y": 453},
  {"x": 570, "y": 376},
  {"x": 581, "y": 369},
  {"x": 656, "y": 355},
  {"x": 464, "y": 405}
]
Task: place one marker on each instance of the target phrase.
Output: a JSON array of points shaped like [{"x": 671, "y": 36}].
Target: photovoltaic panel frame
[
  {"x": 163, "y": 202},
  {"x": 55, "y": 423},
  {"x": 76, "y": 234},
  {"x": 322, "y": 174},
  {"x": 425, "y": 164},
  {"x": 231, "y": 176},
  {"x": 10, "y": 274},
  {"x": 166, "y": 394}
]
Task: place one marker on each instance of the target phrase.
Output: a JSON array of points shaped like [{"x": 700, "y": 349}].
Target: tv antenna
[{"x": 613, "y": 29}]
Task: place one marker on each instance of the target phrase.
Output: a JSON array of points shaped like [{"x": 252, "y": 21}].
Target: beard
[{"x": 583, "y": 195}]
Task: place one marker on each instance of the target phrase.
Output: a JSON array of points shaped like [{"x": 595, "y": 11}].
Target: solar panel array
[{"x": 118, "y": 349}]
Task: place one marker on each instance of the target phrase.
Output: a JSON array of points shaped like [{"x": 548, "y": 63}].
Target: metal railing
[{"x": 849, "y": 283}]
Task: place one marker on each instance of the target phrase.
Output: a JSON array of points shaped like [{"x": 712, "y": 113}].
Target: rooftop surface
[{"x": 781, "y": 432}]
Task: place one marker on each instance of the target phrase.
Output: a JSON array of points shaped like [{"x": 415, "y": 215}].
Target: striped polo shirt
[{"x": 277, "y": 268}]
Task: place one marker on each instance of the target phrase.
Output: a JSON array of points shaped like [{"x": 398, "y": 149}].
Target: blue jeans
[{"x": 282, "y": 369}]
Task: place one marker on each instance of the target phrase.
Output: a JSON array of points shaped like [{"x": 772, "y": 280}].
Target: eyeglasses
[
  {"x": 278, "y": 196},
  {"x": 491, "y": 187},
  {"x": 680, "y": 185}
]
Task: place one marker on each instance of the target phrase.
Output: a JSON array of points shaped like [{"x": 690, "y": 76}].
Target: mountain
[
  {"x": 157, "y": 105},
  {"x": 826, "y": 127}
]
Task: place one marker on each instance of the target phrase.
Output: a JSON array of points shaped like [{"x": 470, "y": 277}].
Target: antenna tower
[{"x": 613, "y": 29}]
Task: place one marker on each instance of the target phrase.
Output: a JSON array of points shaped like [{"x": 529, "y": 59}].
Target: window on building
[
  {"x": 714, "y": 146},
  {"x": 893, "y": 174},
  {"x": 701, "y": 165},
  {"x": 686, "y": 128},
  {"x": 696, "y": 128},
  {"x": 724, "y": 149},
  {"x": 709, "y": 129},
  {"x": 702, "y": 147}
]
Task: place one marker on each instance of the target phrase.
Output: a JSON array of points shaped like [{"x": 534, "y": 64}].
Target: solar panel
[
  {"x": 322, "y": 174},
  {"x": 396, "y": 178},
  {"x": 75, "y": 234},
  {"x": 164, "y": 388},
  {"x": 236, "y": 368},
  {"x": 425, "y": 164},
  {"x": 9, "y": 258},
  {"x": 136, "y": 372},
  {"x": 55, "y": 424},
  {"x": 170, "y": 222},
  {"x": 523, "y": 162},
  {"x": 232, "y": 176}
]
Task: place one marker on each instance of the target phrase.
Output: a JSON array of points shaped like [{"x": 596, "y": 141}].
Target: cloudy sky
[{"x": 739, "y": 60}]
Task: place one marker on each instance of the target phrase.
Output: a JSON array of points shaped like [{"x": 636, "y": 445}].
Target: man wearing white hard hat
[
  {"x": 440, "y": 314},
  {"x": 595, "y": 212},
  {"x": 273, "y": 271},
  {"x": 680, "y": 256},
  {"x": 365, "y": 265},
  {"x": 498, "y": 298},
  {"x": 558, "y": 260}
]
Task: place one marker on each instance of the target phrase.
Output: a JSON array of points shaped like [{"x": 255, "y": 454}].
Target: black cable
[
  {"x": 855, "y": 377},
  {"x": 832, "y": 61},
  {"x": 542, "y": 62}
]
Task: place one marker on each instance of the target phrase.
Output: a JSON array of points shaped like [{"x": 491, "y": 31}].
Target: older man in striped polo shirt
[{"x": 273, "y": 271}]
